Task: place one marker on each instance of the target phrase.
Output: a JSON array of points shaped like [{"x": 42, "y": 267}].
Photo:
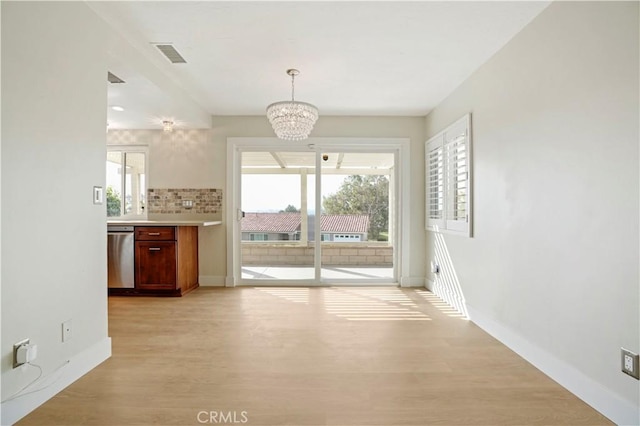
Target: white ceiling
[{"x": 355, "y": 58}]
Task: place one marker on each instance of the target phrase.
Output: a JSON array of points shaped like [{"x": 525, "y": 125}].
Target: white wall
[
  {"x": 53, "y": 236},
  {"x": 180, "y": 159},
  {"x": 552, "y": 269}
]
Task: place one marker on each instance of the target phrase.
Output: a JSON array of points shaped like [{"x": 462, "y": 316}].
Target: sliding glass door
[
  {"x": 356, "y": 210},
  {"x": 278, "y": 203},
  {"x": 316, "y": 217}
]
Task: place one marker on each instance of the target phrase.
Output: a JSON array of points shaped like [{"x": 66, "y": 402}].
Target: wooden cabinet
[
  {"x": 156, "y": 265},
  {"x": 155, "y": 233},
  {"x": 166, "y": 259}
]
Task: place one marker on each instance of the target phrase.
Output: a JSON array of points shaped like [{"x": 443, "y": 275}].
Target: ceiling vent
[
  {"x": 114, "y": 79},
  {"x": 171, "y": 53}
]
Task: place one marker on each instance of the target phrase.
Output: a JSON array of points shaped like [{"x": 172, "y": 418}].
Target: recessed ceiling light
[
  {"x": 167, "y": 126},
  {"x": 117, "y": 108}
]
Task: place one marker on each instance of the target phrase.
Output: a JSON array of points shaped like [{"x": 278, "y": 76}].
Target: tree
[
  {"x": 113, "y": 202},
  {"x": 368, "y": 195},
  {"x": 290, "y": 209}
]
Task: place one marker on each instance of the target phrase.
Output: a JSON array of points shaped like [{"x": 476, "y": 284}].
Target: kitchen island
[
  {"x": 163, "y": 222},
  {"x": 162, "y": 257}
]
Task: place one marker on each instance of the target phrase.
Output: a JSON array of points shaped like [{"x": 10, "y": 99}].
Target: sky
[{"x": 265, "y": 193}]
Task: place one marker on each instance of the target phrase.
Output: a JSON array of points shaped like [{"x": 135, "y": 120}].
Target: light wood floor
[{"x": 298, "y": 356}]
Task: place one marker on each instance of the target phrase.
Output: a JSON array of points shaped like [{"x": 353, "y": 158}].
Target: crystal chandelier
[{"x": 292, "y": 120}]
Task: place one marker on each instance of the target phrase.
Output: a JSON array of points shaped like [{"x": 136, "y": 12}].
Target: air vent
[
  {"x": 171, "y": 53},
  {"x": 114, "y": 79}
]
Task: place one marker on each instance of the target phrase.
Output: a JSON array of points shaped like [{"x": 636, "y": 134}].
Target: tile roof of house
[
  {"x": 271, "y": 222},
  {"x": 290, "y": 222},
  {"x": 354, "y": 223}
]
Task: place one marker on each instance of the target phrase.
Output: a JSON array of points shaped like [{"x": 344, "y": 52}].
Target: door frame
[{"x": 402, "y": 190}]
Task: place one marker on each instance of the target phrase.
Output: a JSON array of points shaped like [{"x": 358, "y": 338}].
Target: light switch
[{"x": 98, "y": 195}]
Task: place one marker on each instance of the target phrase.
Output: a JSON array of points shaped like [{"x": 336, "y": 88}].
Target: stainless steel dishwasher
[{"x": 120, "y": 254}]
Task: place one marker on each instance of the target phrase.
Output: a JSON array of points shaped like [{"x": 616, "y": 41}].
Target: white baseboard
[
  {"x": 412, "y": 282},
  {"x": 77, "y": 366},
  {"x": 211, "y": 280},
  {"x": 618, "y": 410},
  {"x": 429, "y": 284},
  {"x": 452, "y": 295}
]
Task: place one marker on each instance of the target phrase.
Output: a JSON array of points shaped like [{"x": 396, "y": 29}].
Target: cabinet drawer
[{"x": 155, "y": 233}]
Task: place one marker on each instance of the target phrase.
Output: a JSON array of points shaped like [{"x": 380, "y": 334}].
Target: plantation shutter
[
  {"x": 448, "y": 179},
  {"x": 456, "y": 149},
  {"x": 435, "y": 182}
]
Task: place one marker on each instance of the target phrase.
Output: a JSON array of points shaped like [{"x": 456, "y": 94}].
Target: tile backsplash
[{"x": 184, "y": 200}]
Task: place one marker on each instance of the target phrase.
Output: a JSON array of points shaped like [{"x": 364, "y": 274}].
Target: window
[
  {"x": 345, "y": 238},
  {"x": 126, "y": 181},
  {"x": 258, "y": 237},
  {"x": 448, "y": 179}
]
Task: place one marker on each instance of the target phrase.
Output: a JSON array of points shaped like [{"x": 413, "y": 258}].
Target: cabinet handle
[
  {"x": 154, "y": 248},
  {"x": 155, "y": 234}
]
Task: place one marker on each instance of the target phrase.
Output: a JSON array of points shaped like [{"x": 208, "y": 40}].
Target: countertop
[{"x": 164, "y": 222}]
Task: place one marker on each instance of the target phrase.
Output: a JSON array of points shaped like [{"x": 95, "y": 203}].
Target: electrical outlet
[
  {"x": 27, "y": 353},
  {"x": 630, "y": 363},
  {"x": 15, "y": 352},
  {"x": 66, "y": 331}
]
